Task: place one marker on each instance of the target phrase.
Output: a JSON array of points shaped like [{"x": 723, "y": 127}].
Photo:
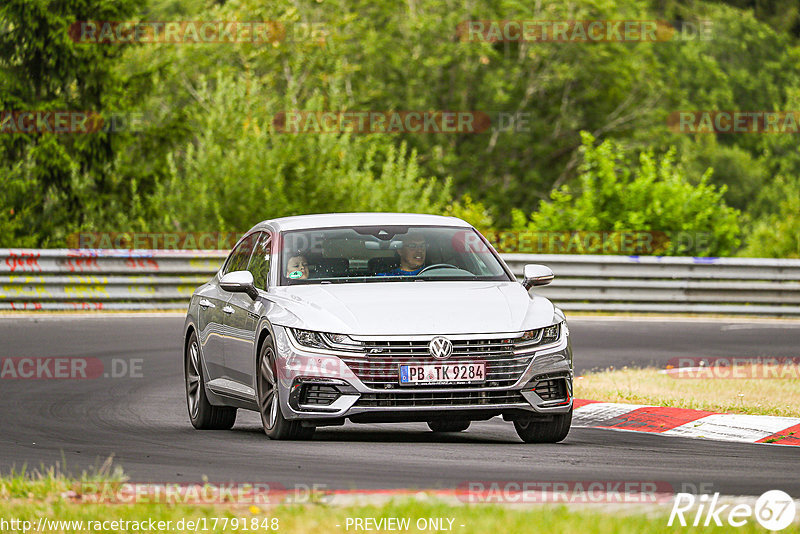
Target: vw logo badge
[{"x": 440, "y": 348}]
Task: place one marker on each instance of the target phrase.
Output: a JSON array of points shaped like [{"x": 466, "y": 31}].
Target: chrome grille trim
[{"x": 379, "y": 364}]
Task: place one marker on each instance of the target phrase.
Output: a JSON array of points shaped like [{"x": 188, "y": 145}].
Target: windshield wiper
[
  {"x": 364, "y": 279},
  {"x": 461, "y": 278},
  {"x": 395, "y": 278}
]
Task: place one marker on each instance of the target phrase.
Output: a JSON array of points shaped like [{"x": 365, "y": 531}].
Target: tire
[
  {"x": 439, "y": 425},
  {"x": 202, "y": 414},
  {"x": 532, "y": 431},
  {"x": 276, "y": 426}
]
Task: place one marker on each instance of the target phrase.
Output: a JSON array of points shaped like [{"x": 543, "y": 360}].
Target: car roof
[{"x": 333, "y": 220}]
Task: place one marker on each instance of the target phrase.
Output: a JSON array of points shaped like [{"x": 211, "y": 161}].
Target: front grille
[
  {"x": 454, "y": 398},
  {"x": 379, "y": 367},
  {"x": 552, "y": 389},
  {"x": 318, "y": 395}
]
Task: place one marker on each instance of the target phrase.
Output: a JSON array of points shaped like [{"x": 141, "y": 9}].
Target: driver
[{"x": 412, "y": 257}]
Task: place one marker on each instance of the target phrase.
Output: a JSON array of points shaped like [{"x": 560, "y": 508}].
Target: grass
[
  {"x": 705, "y": 390},
  {"x": 30, "y": 496}
]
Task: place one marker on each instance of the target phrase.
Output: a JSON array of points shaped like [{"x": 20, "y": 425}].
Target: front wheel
[
  {"x": 532, "y": 431},
  {"x": 275, "y": 425},
  {"x": 203, "y": 415}
]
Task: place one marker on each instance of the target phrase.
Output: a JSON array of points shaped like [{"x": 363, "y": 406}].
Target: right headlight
[
  {"x": 540, "y": 336},
  {"x": 308, "y": 338},
  {"x": 322, "y": 340}
]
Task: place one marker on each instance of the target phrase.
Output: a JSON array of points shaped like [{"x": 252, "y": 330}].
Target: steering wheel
[{"x": 438, "y": 266}]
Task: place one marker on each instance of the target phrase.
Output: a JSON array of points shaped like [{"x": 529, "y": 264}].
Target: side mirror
[
  {"x": 239, "y": 282},
  {"x": 536, "y": 275}
]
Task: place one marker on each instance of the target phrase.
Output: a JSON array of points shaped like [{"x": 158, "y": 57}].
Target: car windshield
[{"x": 386, "y": 254}]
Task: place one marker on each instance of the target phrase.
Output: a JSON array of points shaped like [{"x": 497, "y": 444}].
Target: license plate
[{"x": 452, "y": 373}]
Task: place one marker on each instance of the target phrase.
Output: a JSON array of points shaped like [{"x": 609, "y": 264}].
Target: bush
[
  {"x": 777, "y": 235},
  {"x": 238, "y": 170}
]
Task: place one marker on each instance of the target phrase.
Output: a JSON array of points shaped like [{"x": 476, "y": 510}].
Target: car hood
[{"x": 410, "y": 308}]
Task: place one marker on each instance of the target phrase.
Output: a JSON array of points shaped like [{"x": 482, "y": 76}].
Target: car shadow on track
[
  {"x": 400, "y": 433},
  {"x": 248, "y": 425}
]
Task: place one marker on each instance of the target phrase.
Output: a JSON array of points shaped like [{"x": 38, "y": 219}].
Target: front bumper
[{"x": 320, "y": 385}]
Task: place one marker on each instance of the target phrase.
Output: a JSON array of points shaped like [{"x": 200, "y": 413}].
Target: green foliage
[
  {"x": 614, "y": 193},
  {"x": 209, "y": 159},
  {"x": 777, "y": 235}
]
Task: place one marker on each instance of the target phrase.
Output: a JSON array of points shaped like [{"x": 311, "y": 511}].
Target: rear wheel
[
  {"x": 203, "y": 415},
  {"x": 275, "y": 425},
  {"x": 439, "y": 425},
  {"x": 533, "y": 431}
]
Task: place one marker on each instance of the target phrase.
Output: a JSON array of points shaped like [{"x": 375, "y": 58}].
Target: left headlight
[{"x": 323, "y": 340}]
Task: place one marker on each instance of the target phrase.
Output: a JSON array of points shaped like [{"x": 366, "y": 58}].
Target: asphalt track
[{"x": 141, "y": 421}]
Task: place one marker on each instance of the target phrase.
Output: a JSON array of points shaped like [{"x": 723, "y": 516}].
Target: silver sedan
[{"x": 375, "y": 317}]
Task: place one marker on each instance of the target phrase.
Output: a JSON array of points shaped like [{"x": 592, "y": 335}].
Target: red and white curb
[{"x": 687, "y": 423}]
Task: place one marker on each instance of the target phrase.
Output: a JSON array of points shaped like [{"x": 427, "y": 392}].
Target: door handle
[
  {"x": 206, "y": 304},
  {"x": 228, "y": 310}
]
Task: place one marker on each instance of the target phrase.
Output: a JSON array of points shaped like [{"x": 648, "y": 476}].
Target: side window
[
  {"x": 259, "y": 263},
  {"x": 241, "y": 254}
]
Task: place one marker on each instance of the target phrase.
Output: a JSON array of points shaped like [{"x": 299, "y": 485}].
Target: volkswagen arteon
[{"x": 376, "y": 317}]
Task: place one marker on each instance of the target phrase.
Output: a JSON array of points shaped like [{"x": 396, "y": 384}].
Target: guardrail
[
  {"x": 82, "y": 279},
  {"x": 78, "y": 279},
  {"x": 664, "y": 284}
]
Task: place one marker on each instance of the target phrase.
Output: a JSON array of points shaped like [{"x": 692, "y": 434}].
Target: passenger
[
  {"x": 412, "y": 257},
  {"x": 297, "y": 267}
]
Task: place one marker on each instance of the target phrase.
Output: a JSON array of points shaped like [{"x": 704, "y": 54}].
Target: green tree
[{"x": 55, "y": 182}]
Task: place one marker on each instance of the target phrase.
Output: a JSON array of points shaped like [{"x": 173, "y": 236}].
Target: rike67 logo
[{"x": 774, "y": 510}]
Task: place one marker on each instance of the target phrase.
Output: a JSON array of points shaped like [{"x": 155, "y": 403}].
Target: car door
[
  {"x": 210, "y": 318},
  {"x": 234, "y": 318},
  {"x": 243, "y": 319}
]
